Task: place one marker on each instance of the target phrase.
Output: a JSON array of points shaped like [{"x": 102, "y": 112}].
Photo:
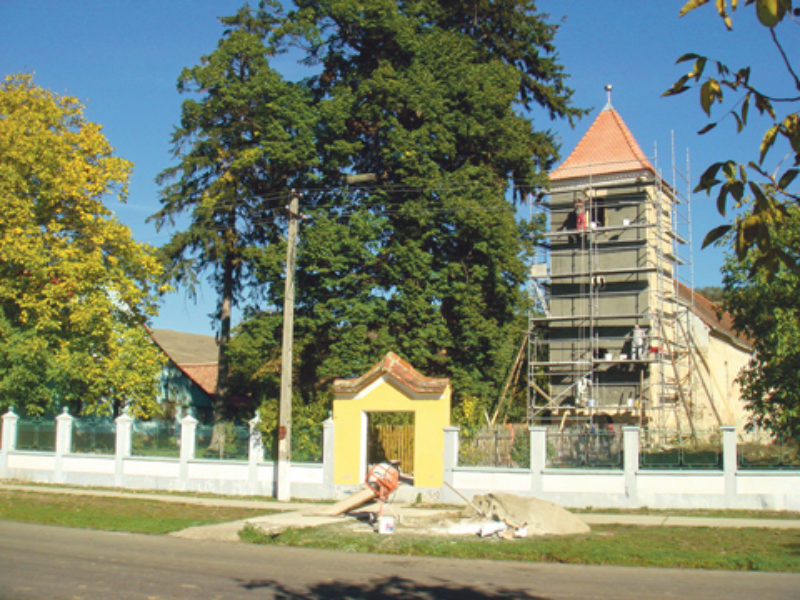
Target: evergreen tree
[
  {"x": 427, "y": 261},
  {"x": 245, "y": 136}
]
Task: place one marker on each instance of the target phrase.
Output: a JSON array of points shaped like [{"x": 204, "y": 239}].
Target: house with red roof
[{"x": 189, "y": 377}]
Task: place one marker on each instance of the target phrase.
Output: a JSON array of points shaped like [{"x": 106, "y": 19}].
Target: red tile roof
[
  {"x": 176, "y": 346},
  {"x": 712, "y": 315},
  {"x": 399, "y": 370},
  {"x": 607, "y": 148},
  {"x": 204, "y": 375}
]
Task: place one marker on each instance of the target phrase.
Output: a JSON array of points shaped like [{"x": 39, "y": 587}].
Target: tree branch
[{"x": 785, "y": 58}]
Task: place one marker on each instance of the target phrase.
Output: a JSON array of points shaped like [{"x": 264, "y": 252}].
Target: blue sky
[{"x": 122, "y": 59}]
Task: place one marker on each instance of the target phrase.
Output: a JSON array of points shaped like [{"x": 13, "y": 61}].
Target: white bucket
[{"x": 385, "y": 525}]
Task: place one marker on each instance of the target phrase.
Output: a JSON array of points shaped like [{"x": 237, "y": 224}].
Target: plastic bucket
[{"x": 385, "y": 525}]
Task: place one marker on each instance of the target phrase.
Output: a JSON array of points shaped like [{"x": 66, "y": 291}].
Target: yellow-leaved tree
[{"x": 76, "y": 289}]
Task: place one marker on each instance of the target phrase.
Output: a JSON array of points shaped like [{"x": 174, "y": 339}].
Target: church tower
[{"x": 609, "y": 346}]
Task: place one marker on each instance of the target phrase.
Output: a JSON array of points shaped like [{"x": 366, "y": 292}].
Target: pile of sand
[{"x": 538, "y": 517}]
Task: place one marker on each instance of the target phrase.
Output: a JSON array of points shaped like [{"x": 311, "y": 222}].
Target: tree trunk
[{"x": 224, "y": 337}]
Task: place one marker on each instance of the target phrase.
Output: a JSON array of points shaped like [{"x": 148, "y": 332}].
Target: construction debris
[
  {"x": 533, "y": 515},
  {"x": 464, "y": 498},
  {"x": 499, "y": 514},
  {"x": 347, "y": 504}
]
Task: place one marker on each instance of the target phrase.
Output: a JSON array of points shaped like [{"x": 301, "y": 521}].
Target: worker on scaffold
[
  {"x": 637, "y": 342},
  {"x": 581, "y": 222}
]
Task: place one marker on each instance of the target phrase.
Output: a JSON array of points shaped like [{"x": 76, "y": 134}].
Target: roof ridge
[
  {"x": 632, "y": 143},
  {"x": 402, "y": 371},
  {"x": 607, "y": 147}
]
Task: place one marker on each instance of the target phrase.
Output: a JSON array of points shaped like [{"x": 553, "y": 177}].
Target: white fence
[
  {"x": 626, "y": 487},
  {"x": 254, "y": 476},
  {"x": 631, "y": 486}
]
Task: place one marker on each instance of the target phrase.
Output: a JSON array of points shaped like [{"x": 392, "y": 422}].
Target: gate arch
[{"x": 392, "y": 385}]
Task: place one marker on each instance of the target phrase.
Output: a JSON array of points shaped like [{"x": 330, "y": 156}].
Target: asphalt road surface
[{"x": 38, "y": 561}]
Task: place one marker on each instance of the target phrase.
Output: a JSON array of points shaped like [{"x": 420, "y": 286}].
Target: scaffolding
[{"x": 610, "y": 331}]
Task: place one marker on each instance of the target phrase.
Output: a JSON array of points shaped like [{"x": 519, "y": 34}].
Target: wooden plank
[
  {"x": 465, "y": 499},
  {"x": 678, "y": 385},
  {"x": 348, "y": 504},
  {"x": 510, "y": 379}
]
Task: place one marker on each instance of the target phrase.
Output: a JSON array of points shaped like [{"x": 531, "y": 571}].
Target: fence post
[
  {"x": 255, "y": 454},
  {"x": 10, "y": 420},
  {"x": 63, "y": 442},
  {"x": 9, "y": 441},
  {"x": 188, "y": 429},
  {"x": 630, "y": 450},
  {"x": 450, "y": 459},
  {"x": 538, "y": 436},
  {"x": 729, "y": 464},
  {"x": 328, "y": 458},
  {"x": 122, "y": 445}
]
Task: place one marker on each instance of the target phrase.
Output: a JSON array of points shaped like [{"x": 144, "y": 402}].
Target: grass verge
[
  {"x": 624, "y": 545},
  {"x": 695, "y": 512},
  {"x": 113, "y": 514},
  {"x": 679, "y": 547},
  {"x": 34, "y": 485}
]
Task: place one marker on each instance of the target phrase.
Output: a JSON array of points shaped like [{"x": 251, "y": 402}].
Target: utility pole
[{"x": 283, "y": 491}]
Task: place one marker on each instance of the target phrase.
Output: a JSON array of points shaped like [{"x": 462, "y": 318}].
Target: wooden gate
[{"x": 392, "y": 442}]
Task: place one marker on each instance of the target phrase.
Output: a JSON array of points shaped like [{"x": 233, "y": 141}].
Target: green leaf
[
  {"x": 699, "y": 67},
  {"x": 706, "y": 129},
  {"x": 787, "y": 178},
  {"x": 743, "y": 76},
  {"x": 760, "y": 199},
  {"x": 709, "y": 92},
  {"x": 749, "y": 230},
  {"x": 764, "y": 105},
  {"x": 678, "y": 87},
  {"x": 688, "y": 56},
  {"x": 770, "y": 12},
  {"x": 767, "y": 141},
  {"x": 745, "y": 108},
  {"x": 736, "y": 189},
  {"x": 709, "y": 177},
  {"x": 691, "y": 5},
  {"x": 791, "y": 130},
  {"x": 721, "y": 9},
  {"x": 715, "y": 234},
  {"x": 729, "y": 169}
]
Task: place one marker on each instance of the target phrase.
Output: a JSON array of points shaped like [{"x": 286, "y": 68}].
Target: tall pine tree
[
  {"x": 245, "y": 136},
  {"x": 427, "y": 261}
]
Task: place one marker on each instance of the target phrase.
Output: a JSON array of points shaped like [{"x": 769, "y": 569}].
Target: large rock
[{"x": 538, "y": 516}]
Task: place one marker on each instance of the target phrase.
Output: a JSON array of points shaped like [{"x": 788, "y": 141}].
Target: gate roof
[{"x": 400, "y": 371}]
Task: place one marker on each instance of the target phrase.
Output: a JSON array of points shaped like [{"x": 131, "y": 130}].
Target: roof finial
[{"x": 608, "y": 89}]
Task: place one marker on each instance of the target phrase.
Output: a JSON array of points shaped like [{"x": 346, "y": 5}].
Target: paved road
[{"x": 38, "y": 561}]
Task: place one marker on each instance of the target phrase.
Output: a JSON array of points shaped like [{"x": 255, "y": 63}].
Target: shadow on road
[{"x": 390, "y": 587}]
